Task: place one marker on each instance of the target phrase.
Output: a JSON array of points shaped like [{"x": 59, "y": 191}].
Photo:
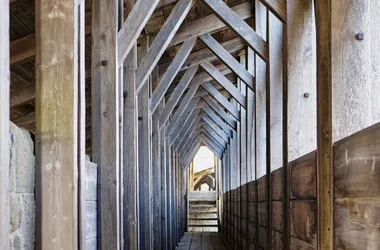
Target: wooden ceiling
[{"x": 22, "y": 51}]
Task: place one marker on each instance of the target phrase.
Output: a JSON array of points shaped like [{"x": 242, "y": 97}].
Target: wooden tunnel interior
[{"x": 119, "y": 96}]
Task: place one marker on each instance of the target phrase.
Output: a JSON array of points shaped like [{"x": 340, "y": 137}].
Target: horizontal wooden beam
[
  {"x": 24, "y": 49},
  {"x": 235, "y": 22}
]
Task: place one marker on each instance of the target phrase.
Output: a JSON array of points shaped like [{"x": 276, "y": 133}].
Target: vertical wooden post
[
  {"x": 164, "y": 185},
  {"x": 4, "y": 125},
  {"x": 130, "y": 159},
  {"x": 156, "y": 172},
  {"x": 324, "y": 123},
  {"x": 169, "y": 199},
  {"x": 105, "y": 119},
  {"x": 145, "y": 170},
  {"x": 59, "y": 132}
]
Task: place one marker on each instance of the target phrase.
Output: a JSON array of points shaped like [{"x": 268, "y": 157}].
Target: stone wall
[{"x": 21, "y": 189}]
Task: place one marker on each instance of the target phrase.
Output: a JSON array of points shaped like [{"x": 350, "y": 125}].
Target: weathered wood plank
[
  {"x": 170, "y": 74},
  {"x": 235, "y": 22},
  {"x": 221, "y": 99},
  {"x": 133, "y": 26},
  {"x": 225, "y": 116},
  {"x": 229, "y": 60},
  {"x": 218, "y": 120},
  {"x": 222, "y": 80},
  {"x": 105, "y": 118},
  {"x": 186, "y": 129},
  {"x": 58, "y": 158},
  {"x": 232, "y": 46},
  {"x": 181, "y": 109},
  {"x": 176, "y": 95},
  {"x": 324, "y": 122},
  {"x": 209, "y": 24},
  {"x": 4, "y": 125},
  {"x": 161, "y": 42},
  {"x": 130, "y": 159}
]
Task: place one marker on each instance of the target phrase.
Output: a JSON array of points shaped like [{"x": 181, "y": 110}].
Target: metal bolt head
[
  {"x": 360, "y": 36},
  {"x": 104, "y": 63},
  {"x": 140, "y": 118},
  {"x": 306, "y": 95},
  {"x": 125, "y": 94}
]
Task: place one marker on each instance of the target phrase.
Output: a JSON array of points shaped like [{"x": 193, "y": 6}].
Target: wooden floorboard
[{"x": 202, "y": 241}]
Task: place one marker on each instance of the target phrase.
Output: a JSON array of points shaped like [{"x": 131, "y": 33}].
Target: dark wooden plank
[
  {"x": 162, "y": 41},
  {"x": 324, "y": 122},
  {"x": 235, "y": 22},
  {"x": 4, "y": 125},
  {"x": 170, "y": 74},
  {"x": 303, "y": 221},
  {"x": 58, "y": 158}
]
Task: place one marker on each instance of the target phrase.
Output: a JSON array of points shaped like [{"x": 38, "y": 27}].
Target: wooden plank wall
[{"x": 356, "y": 169}]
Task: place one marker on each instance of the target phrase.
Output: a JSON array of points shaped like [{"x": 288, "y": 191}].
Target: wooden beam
[
  {"x": 59, "y": 137},
  {"x": 221, "y": 99},
  {"x": 215, "y": 133},
  {"x": 105, "y": 119},
  {"x": 223, "y": 114},
  {"x": 233, "y": 45},
  {"x": 182, "y": 120},
  {"x": 181, "y": 109},
  {"x": 222, "y": 80},
  {"x": 186, "y": 128},
  {"x": 218, "y": 140},
  {"x": 209, "y": 122},
  {"x": 130, "y": 159},
  {"x": 218, "y": 121},
  {"x": 171, "y": 73},
  {"x": 324, "y": 125},
  {"x": 229, "y": 60},
  {"x": 184, "y": 147},
  {"x": 132, "y": 27},
  {"x": 277, "y": 7},
  {"x": 208, "y": 140},
  {"x": 235, "y": 22},
  {"x": 4, "y": 126},
  {"x": 209, "y": 24},
  {"x": 176, "y": 95},
  {"x": 161, "y": 42}
]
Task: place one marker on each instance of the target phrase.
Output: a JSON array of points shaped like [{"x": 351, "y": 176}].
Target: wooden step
[
  {"x": 203, "y": 218},
  {"x": 206, "y": 225}
]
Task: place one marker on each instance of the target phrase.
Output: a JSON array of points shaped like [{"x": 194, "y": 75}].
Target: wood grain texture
[
  {"x": 133, "y": 25},
  {"x": 324, "y": 122},
  {"x": 176, "y": 95},
  {"x": 228, "y": 59},
  {"x": 303, "y": 177},
  {"x": 161, "y": 42},
  {"x": 209, "y": 24},
  {"x": 105, "y": 119},
  {"x": 303, "y": 221},
  {"x": 222, "y": 80},
  {"x": 58, "y": 157},
  {"x": 235, "y": 22},
  {"x": 4, "y": 125}
]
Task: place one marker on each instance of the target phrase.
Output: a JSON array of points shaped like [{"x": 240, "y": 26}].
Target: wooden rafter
[
  {"x": 161, "y": 42},
  {"x": 176, "y": 95},
  {"x": 227, "y": 85},
  {"x": 229, "y": 60},
  {"x": 132, "y": 27},
  {"x": 219, "y": 110},
  {"x": 171, "y": 73},
  {"x": 235, "y": 22}
]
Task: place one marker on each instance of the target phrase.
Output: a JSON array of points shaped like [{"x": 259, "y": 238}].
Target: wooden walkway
[{"x": 202, "y": 241}]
